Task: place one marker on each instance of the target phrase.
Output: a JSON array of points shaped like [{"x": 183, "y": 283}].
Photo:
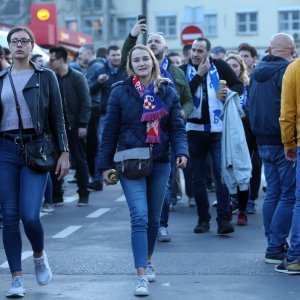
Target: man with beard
[
  {"x": 204, "y": 131},
  {"x": 157, "y": 44}
]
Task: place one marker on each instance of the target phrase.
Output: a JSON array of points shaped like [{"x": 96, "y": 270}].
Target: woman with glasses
[
  {"x": 129, "y": 120},
  {"x": 21, "y": 188}
]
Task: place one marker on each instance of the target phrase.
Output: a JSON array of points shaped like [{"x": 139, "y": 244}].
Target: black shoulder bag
[
  {"x": 38, "y": 153},
  {"x": 134, "y": 163}
]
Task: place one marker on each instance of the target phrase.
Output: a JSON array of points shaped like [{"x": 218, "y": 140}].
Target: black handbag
[
  {"x": 134, "y": 163},
  {"x": 39, "y": 153}
]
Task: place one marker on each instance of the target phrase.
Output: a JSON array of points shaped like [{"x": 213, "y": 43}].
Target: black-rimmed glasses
[{"x": 23, "y": 41}]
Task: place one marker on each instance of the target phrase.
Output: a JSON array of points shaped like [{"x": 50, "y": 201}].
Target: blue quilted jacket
[{"x": 124, "y": 129}]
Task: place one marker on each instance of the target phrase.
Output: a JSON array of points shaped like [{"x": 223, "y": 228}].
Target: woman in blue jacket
[{"x": 129, "y": 117}]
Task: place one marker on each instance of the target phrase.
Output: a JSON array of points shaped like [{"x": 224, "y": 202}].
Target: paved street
[{"x": 90, "y": 256}]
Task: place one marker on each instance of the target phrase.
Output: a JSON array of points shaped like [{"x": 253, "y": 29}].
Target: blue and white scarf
[
  {"x": 215, "y": 105},
  {"x": 164, "y": 72}
]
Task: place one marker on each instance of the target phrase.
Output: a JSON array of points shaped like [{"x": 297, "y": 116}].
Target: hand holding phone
[{"x": 142, "y": 17}]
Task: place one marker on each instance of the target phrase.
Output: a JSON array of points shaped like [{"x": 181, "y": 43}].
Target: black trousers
[
  {"x": 77, "y": 148},
  {"x": 255, "y": 159},
  {"x": 92, "y": 140}
]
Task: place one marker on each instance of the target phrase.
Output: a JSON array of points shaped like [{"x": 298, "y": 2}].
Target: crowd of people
[{"x": 218, "y": 116}]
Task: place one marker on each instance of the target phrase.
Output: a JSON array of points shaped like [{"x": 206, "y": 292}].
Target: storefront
[{"x": 48, "y": 34}]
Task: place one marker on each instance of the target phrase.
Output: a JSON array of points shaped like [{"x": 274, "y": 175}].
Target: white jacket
[{"x": 236, "y": 162}]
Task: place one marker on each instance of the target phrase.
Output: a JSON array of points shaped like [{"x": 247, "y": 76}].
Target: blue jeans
[
  {"x": 200, "y": 144},
  {"x": 280, "y": 196},
  {"x": 21, "y": 194},
  {"x": 294, "y": 250},
  {"x": 145, "y": 198}
]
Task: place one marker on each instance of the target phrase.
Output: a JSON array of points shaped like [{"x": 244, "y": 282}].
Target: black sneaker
[
  {"x": 275, "y": 258},
  {"x": 57, "y": 201},
  {"x": 289, "y": 267},
  {"x": 225, "y": 227},
  {"x": 202, "y": 227},
  {"x": 95, "y": 185},
  {"x": 83, "y": 198}
]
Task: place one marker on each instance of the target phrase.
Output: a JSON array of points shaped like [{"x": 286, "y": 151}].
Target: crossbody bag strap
[{"x": 17, "y": 106}]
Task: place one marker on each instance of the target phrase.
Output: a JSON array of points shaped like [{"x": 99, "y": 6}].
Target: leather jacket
[{"x": 45, "y": 105}]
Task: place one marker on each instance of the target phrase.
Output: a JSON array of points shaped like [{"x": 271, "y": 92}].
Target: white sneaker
[
  {"x": 42, "y": 270},
  {"x": 47, "y": 208},
  {"x": 150, "y": 272},
  {"x": 163, "y": 235},
  {"x": 16, "y": 289},
  {"x": 141, "y": 286}
]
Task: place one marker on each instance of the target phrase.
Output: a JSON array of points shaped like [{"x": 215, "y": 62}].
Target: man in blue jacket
[
  {"x": 88, "y": 57},
  {"x": 264, "y": 112}
]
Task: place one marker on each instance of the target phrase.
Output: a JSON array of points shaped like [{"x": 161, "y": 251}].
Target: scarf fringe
[
  {"x": 153, "y": 139},
  {"x": 150, "y": 116}
]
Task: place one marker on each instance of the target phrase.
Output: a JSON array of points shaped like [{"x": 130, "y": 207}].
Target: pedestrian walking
[
  {"x": 204, "y": 131},
  {"x": 264, "y": 113},
  {"x": 22, "y": 188},
  {"x": 157, "y": 43},
  {"x": 76, "y": 98},
  {"x": 290, "y": 125},
  {"x": 130, "y": 120}
]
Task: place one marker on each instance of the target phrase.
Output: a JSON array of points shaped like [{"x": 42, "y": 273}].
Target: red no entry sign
[{"x": 190, "y": 33}]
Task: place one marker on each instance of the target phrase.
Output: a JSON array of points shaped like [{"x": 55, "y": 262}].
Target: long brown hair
[
  {"x": 155, "y": 73},
  {"x": 244, "y": 78}
]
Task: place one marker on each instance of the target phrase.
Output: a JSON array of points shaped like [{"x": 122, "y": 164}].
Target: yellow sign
[{"x": 43, "y": 14}]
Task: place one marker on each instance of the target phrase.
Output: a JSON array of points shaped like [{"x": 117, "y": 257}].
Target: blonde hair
[
  {"x": 244, "y": 73},
  {"x": 155, "y": 73}
]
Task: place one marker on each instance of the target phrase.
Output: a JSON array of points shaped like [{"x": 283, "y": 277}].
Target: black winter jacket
[
  {"x": 124, "y": 129},
  {"x": 45, "y": 105},
  {"x": 77, "y": 99}
]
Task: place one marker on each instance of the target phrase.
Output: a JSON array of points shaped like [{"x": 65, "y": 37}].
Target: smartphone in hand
[{"x": 142, "y": 17}]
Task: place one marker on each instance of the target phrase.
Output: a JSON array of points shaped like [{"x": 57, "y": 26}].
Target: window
[
  {"x": 12, "y": 7},
  {"x": 72, "y": 25},
  {"x": 92, "y": 4},
  {"x": 289, "y": 21},
  {"x": 167, "y": 25},
  {"x": 193, "y": 14},
  {"x": 92, "y": 26},
  {"x": 125, "y": 25},
  {"x": 247, "y": 23},
  {"x": 210, "y": 25}
]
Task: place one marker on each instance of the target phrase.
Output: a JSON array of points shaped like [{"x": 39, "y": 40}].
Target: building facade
[{"x": 226, "y": 23}]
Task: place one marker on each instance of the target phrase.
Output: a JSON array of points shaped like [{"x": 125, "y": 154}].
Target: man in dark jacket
[
  {"x": 112, "y": 72},
  {"x": 204, "y": 131},
  {"x": 264, "y": 112},
  {"x": 88, "y": 57},
  {"x": 76, "y": 98}
]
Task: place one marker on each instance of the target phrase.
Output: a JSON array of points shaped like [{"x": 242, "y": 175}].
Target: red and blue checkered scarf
[{"x": 153, "y": 110}]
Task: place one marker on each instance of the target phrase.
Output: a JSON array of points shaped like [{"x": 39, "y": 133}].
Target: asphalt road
[{"x": 90, "y": 255}]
